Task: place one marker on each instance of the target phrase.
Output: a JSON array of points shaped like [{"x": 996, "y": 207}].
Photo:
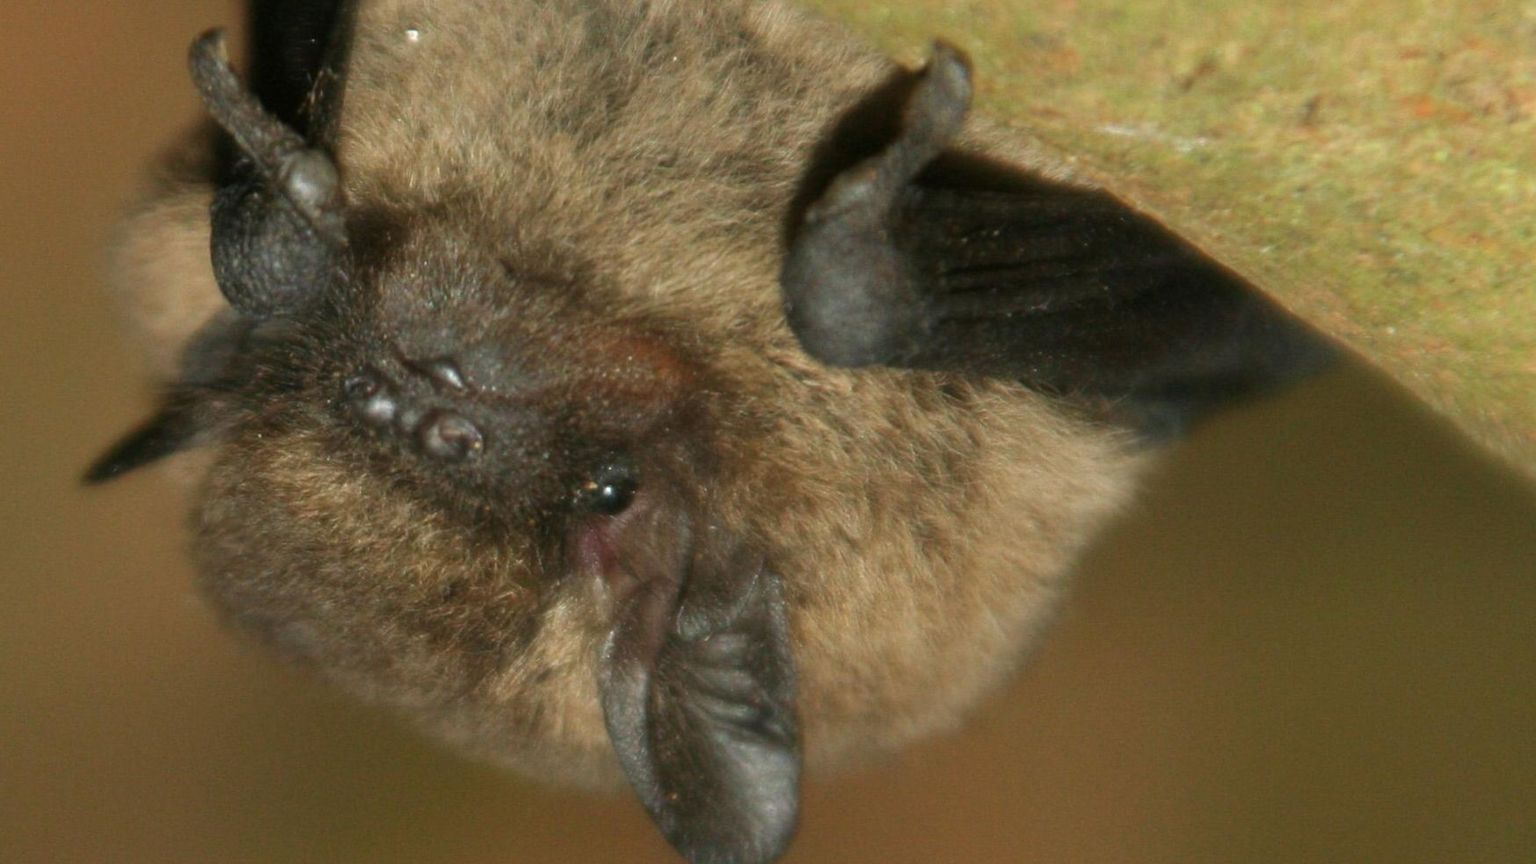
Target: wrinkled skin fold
[{"x": 697, "y": 684}]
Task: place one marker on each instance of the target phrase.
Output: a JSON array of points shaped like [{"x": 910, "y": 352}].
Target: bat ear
[
  {"x": 923, "y": 258},
  {"x": 697, "y": 687},
  {"x": 851, "y": 295},
  {"x": 173, "y": 428},
  {"x": 187, "y": 416},
  {"x": 279, "y": 230}
]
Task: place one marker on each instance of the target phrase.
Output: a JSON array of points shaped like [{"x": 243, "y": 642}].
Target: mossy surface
[{"x": 1370, "y": 164}]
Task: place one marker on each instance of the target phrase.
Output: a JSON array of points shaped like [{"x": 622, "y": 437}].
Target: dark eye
[{"x": 609, "y": 490}]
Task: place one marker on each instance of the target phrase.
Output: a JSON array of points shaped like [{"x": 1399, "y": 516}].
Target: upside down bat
[{"x": 675, "y": 391}]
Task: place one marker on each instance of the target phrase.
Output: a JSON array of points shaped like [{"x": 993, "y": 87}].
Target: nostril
[
  {"x": 451, "y": 437},
  {"x": 370, "y": 398},
  {"x": 382, "y": 403},
  {"x": 445, "y": 372}
]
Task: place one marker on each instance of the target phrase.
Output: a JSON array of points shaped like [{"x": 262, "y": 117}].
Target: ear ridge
[{"x": 294, "y": 47}]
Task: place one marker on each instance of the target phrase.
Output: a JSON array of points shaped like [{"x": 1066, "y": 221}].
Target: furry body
[
  {"x": 496, "y": 374},
  {"x": 630, "y": 164}
]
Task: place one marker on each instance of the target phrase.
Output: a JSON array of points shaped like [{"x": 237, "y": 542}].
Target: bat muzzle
[{"x": 425, "y": 406}]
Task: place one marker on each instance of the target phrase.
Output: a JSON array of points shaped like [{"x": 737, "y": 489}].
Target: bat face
[
  {"x": 444, "y": 492},
  {"x": 509, "y": 428}
]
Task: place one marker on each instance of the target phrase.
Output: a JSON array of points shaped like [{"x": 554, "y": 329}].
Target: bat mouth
[{"x": 597, "y": 554}]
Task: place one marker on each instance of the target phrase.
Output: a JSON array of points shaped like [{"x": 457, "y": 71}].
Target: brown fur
[{"x": 644, "y": 154}]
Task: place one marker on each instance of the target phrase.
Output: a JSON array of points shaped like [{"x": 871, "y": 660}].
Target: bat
[{"x": 676, "y": 393}]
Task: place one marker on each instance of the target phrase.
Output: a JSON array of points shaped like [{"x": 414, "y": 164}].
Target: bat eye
[{"x": 609, "y": 490}]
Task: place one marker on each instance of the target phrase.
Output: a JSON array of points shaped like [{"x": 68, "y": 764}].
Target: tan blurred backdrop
[{"x": 1313, "y": 640}]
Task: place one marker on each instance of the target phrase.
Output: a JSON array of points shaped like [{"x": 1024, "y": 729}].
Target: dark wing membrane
[
  {"x": 1071, "y": 292},
  {"x": 291, "y": 42},
  {"x": 926, "y": 259}
]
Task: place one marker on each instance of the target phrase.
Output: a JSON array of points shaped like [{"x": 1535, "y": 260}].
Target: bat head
[
  {"x": 563, "y": 509},
  {"x": 460, "y": 487}
]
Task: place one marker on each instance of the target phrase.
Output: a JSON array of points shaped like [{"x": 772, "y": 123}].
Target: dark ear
[
  {"x": 279, "y": 230},
  {"x": 922, "y": 258},
  {"x": 185, "y": 418},
  {"x": 697, "y": 687},
  {"x": 174, "y": 427}
]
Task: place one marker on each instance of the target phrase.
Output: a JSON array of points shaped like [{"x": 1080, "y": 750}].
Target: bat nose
[
  {"x": 424, "y": 408},
  {"x": 450, "y": 437}
]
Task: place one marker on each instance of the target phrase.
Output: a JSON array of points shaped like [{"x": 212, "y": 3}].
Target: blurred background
[{"x": 1314, "y": 638}]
